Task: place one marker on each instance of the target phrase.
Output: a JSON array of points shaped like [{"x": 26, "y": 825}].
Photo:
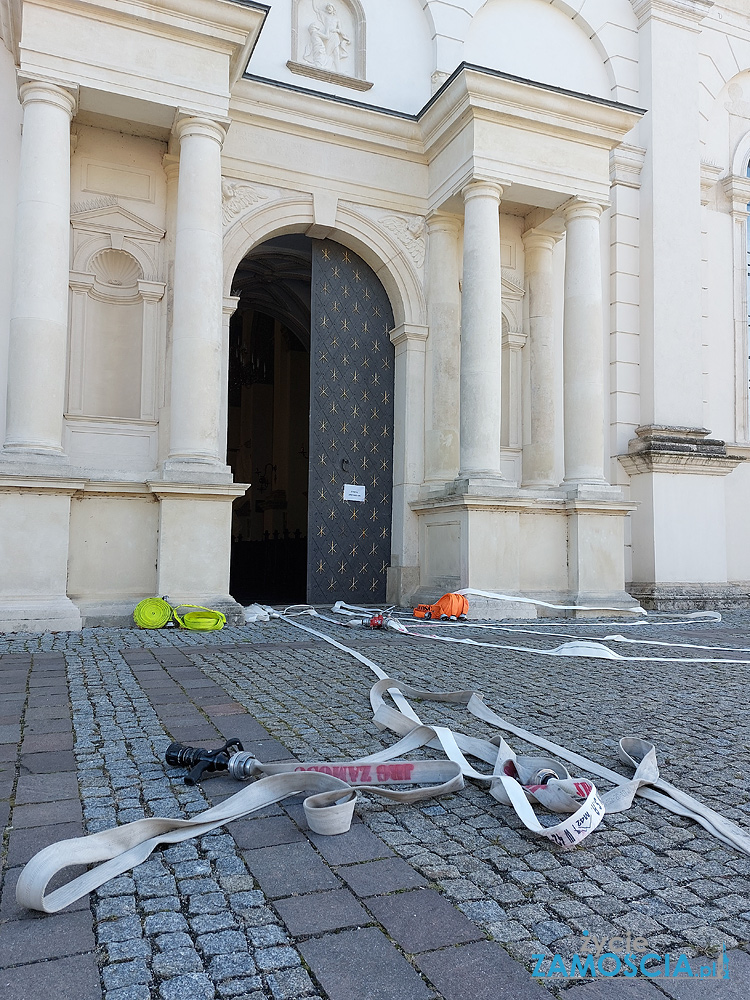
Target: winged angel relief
[
  {"x": 328, "y": 42},
  {"x": 410, "y": 233}
]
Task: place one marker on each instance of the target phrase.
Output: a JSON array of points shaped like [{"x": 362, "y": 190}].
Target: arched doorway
[{"x": 310, "y": 425}]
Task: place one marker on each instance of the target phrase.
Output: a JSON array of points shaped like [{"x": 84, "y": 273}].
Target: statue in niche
[{"x": 328, "y": 41}]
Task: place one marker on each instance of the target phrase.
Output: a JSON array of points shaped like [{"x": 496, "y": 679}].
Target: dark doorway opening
[{"x": 268, "y": 421}]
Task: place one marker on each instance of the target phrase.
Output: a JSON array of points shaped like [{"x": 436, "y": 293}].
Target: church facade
[{"x": 371, "y": 300}]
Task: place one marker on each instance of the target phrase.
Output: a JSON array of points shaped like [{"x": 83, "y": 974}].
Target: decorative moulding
[
  {"x": 657, "y": 448},
  {"x": 625, "y": 165},
  {"x": 687, "y": 13},
  {"x": 236, "y": 197},
  {"x": 328, "y": 42},
  {"x": 710, "y": 174},
  {"x": 737, "y": 190},
  {"x": 409, "y": 231}
]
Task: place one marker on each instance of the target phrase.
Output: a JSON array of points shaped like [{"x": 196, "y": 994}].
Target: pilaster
[{"x": 539, "y": 449}]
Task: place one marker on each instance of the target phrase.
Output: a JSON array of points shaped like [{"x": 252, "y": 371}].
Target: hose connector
[{"x": 243, "y": 765}]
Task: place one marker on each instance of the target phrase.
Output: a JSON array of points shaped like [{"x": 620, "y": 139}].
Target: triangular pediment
[
  {"x": 113, "y": 218},
  {"x": 512, "y": 289}
]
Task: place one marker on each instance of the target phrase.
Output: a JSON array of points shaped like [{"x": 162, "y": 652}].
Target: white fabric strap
[{"x": 518, "y": 781}]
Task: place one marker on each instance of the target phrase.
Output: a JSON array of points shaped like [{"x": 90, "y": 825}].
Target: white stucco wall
[
  {"x": 531, "y": 39},
  {"x": 10, "y": 148}
]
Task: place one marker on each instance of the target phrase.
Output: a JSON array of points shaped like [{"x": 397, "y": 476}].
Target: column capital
[
  {"x": 410, "y": 333},
  {"x": 171, "y": 165},
  {"x": 479, "y": 188},
  {"x": 538, "y": 239},
  {"x": 188, "y": 124},
  {"x": 38, "y": 91},
  {"x": 577, "y": 208},
  {"x": 442, "y": 222},
  {"x": 230, "y": 304}
]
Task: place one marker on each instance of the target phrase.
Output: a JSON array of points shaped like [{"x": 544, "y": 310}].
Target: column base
[
  {"x": 39, "y": 614},
  {"x": 545, "y": 545},
  {"x": 402, "y": 583},
  {"x": 602, "y": 491},
  {"x": 481, "y": 484},
  {"x": 687, "y": 597},
  {"x": 175, "y": 470}
]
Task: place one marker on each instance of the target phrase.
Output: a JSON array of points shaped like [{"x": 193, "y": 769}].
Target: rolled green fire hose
[{"x": 155, "y": 612}]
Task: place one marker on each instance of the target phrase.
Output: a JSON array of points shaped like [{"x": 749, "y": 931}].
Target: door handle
[{"x": 344, "y": 464}]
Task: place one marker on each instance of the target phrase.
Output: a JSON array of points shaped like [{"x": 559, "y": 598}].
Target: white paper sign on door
[{"x": 352, "y": 492}]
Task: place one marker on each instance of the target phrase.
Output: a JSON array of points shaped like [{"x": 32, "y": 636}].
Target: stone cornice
[
  {"x": 196, "y": 491},
  {"x": 625, "y": 165},
  {"x": 685, "y": 13},
  {"x": 658, "y": 448},
  {"x": 710, "y": 174},
  {"x": 737, "y": 190}
]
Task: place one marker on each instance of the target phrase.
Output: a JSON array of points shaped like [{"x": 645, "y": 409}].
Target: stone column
[
  {"x": 443, "y": 352},
  {"x": 196, "y": 395},
  {"x": 539, "y": 452},
  {"x": 481, "y": 336},
  {"x": 583, "y": 375},
  {"x": 39, "y": 308}
]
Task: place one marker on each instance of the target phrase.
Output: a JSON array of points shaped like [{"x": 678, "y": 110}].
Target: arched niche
[
  {"x": 114, "y": 316},
  {"x": 329, "y": 42}
]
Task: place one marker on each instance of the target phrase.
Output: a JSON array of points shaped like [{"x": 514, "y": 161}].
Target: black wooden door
[{"x": 351, "y": 429}]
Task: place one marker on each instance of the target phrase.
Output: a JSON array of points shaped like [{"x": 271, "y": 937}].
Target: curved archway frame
[
  {"x": 390, "y": 262},
  {"x": 353, "y": 230}
]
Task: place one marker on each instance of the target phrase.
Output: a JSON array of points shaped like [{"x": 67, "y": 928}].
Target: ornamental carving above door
[{"x": 351, "y": 429}]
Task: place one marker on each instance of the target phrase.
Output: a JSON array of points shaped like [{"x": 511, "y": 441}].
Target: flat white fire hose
[{"x": 513, "y": 780}]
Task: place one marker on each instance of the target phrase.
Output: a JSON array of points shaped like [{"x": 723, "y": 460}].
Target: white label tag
[{"x": 352, "y": 492}]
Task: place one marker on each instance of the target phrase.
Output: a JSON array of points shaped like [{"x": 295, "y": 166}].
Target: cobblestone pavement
[{"x": 451, "y": 898}]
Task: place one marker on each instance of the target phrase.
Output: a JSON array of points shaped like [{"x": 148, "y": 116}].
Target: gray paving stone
[
  {"x": 129, "y": 993},
  {"x": 189, "y": 987},
  {"x": 614, "y": 989},
  {"x": 125, "y": 974},
  {"x": 290, "y": 984},
  {"x": 75, "y": 978},
  {"x": 46, "y": 788},
  {"x": 230, "y": 966},
  {"x": 737, "y": 987},
  {"x": 47, "y": 814},
  {"x": 481, "y": 971},
  {"x": 221, "y": 943},
  {"x": 321, "y": 911},
  {"x": 265, "y": 832},
  {"x": 422, "y": 920},
  {"x": 122, "y": 929},
  {"x": 177, "y": 961},
  {"x": 165, "y": 922},
  {"x": 23, "y": 941},
  {"x": 276, "y": 958},
  {"x": 377, "y": 877},
  {"x": 357, "y": 844},
  {"x": 343, "y": 962},
  {"x": 288, "y": 869}
]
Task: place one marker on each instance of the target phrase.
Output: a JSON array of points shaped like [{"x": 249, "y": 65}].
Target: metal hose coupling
[{"x": 243, "y": 765}]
